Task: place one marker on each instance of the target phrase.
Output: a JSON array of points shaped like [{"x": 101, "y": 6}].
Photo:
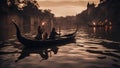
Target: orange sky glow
[{"x": 65, "y": 7}]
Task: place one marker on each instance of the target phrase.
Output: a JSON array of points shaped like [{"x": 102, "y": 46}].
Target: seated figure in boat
[
  {"x": 40, "y": 32},
  {"x": 45, "y": 35},
  {"x": 53, "y": 34}
]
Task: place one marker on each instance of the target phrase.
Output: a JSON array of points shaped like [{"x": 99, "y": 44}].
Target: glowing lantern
[
  {"x": 94, "y": 23},
  {"x": 43, "y": 23}
]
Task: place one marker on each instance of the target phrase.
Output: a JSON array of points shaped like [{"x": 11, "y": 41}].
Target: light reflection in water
[
  {"x": 106, "y": 28},
  {"x": 70, "y": 54},
  {"x": 94, "y": 29},
  {"x": 110, "y": 28},
  {"x": 101, "y": 29}
]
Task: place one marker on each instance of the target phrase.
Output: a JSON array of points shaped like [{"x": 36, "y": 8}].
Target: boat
[{"x": 43, "y": 43}]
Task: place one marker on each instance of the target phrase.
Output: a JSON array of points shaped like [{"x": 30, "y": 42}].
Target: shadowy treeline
[
  {"x": 23, "y": 7},
  {"x": 26, "y": 14},
  {"x": 106, "y": 11}
]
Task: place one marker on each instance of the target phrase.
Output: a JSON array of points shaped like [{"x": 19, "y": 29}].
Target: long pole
[
  {"x": 59, "y": 29},
  {"x": 51, "y": 20}
]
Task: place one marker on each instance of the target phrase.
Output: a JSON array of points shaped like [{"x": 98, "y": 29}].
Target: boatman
[
  {"x": 40, "y": 32},
  {"x": 53, "y": 34}
]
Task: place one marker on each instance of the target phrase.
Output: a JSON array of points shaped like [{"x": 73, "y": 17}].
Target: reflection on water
[
  {"x": 45, "y": 52},
  {"x": 91, "y": 50},
  {"x": 95, "y": 47},
  {"x": 7, "y": 30},
  {"x": 107, "y": 32},
  {"x": 94, "y": 29}
]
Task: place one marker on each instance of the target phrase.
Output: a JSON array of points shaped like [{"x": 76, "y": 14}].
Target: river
[{"x": 94, "y": 48}]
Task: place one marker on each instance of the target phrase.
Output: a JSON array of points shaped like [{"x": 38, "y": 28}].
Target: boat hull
[{"x": 43, "y": 43}]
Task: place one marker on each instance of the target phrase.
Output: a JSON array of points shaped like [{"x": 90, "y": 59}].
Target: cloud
[
  {"x": 66, "y": 10},
  {"x": 65, "y": 7},
  {"x": 45, "y": 3}
]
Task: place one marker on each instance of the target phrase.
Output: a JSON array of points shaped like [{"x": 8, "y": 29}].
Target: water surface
[{"x": 94, "y": 48}]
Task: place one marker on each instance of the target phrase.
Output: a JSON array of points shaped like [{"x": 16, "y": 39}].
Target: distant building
[{"x": 90, "y": 8}]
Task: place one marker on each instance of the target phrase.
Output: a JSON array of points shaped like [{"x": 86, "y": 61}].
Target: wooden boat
[{"x": 43, "y": 43}]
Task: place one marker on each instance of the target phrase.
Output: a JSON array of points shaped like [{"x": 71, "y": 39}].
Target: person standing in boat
[
  {"x": 53, "y": 34},
  {"x": 40, "y": 31}
]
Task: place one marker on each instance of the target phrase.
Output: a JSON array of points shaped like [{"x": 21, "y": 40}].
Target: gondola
[{"x": 43, "y": 43}]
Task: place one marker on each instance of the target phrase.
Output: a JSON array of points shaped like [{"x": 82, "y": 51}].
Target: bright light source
[
  {"x": 43, "y": 23},
  {"x": 94, "y": 23}
]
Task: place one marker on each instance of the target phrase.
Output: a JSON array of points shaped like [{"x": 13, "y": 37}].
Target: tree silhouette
[{"x": 3, "y": 7}]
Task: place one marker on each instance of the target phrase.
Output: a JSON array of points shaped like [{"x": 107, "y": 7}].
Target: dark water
[
  {"x": 107, "y": 32},
  {"x": 94, "y": 48}
]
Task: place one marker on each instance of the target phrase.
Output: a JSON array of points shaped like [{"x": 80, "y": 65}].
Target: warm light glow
[
  {"x": 13, "y": 20},
  {"x": 110, "y": 28},
  {"x": 65, "y": 7},
  {"x": 21, "y": 5},
  {"x": 94, "y": 23},
  {"x": 94, "y": 29},
  {"x": 43, "y": 23},
  {"x": 106, "y": 28},
  {"x": 110, "y": 23},
  {"x": 106, "y": 20}
]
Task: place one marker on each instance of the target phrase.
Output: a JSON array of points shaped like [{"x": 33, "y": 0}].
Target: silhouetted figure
[
  {"x": 40, "y": 32},
  {"x": 53, "y": 34},
  {"x": 45, "y": 36}
]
